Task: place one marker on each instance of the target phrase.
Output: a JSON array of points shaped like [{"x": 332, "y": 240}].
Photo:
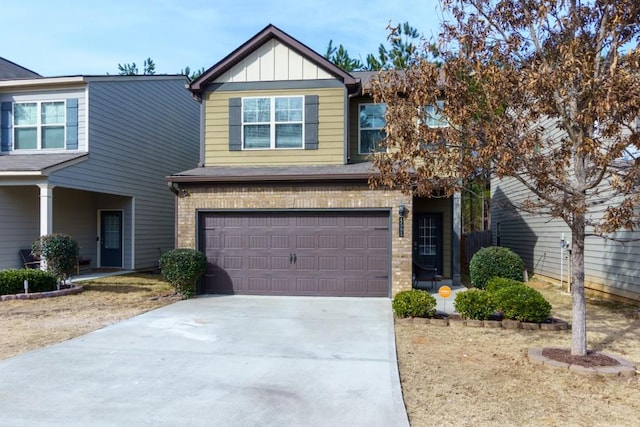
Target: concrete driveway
[{"x": 217, "y": 361}]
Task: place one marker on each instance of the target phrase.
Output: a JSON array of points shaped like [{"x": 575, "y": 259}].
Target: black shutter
[
  {"x": 311, "y": 122},
  {"x": 235, "y": 124}
]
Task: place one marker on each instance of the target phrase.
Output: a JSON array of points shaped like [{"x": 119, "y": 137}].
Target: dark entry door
[
  {"x": 111, "y": 238},
  {"x": 427, "y": 240}
]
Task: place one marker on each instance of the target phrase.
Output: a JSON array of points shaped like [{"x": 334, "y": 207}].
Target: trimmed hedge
[
  {"x": 182, "y": 268},
  {"x": 497, "y": 283},
  {"x": 12, "y": 281},
  {"x": 521, "y": 303},
  {"x": 474, "y": 304},
  {"x": 494, "y": 261},
  {"x": 414, "y": 303}
]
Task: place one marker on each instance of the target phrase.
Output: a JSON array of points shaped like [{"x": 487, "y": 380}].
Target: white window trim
[
  {"x": 272, "y": 123},
  {"x": 360, "y": 129},
  {"x": 38, "y": 125}
]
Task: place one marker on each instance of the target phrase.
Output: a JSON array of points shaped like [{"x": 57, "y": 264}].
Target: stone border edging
[
  {"x": 38, "y": 295},
  {"x": 625, "y": 367},
  {"x": 557, "y": 325}
]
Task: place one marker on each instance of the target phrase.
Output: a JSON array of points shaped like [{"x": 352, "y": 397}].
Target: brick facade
[{"x": 283, "y": 196}]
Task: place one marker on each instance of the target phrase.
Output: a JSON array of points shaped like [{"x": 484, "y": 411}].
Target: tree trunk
[{"x": 579, "y": 326}]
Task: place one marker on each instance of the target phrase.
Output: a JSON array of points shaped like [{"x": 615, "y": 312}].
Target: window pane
[
  {"x": 256, "y": 110},
  {"x": 257, "y": 136},
  {"x": 25, "y": 139},
  {"x": 289, "y": 109},
  {"x": 52, "y": 113},
  {"x": 372, "y": 116},
  {"x": 53, "y": 137},
  {"x": 25, "y": 114},
  {"x": 288, "y": 136},
  {"x": 370, "y": 139},
  {"x": 433, "y": 116}
]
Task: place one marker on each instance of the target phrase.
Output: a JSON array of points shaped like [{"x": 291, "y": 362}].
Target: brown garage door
[{"x": 296, "y": 253}]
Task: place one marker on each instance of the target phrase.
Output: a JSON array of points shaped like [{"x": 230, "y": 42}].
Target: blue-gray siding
[
  {"x": 609, "y": 266},
  {"x": 140, "y": 131}
]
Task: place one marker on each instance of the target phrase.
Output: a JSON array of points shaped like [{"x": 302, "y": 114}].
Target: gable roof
[
  {"x": 11, "y": 70},
  {"x": 268, "y": 33}
]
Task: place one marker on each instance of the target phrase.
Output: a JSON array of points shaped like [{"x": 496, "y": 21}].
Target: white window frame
[
  {"x": 360, "y": 128},
  {"x": 39, "y": 125},
  {"x": 272, "y": 123}
]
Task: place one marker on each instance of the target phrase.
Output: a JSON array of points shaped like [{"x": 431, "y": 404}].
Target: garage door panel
[
  {"x": 355, "y": 242},
  {"x": 280, "y": 263},
  {"x": 297, "y": 253}
]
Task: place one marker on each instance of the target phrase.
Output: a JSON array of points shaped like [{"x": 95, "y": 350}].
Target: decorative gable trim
[{"x": 271, "y": 32}]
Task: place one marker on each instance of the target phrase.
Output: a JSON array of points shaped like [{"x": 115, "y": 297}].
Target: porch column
[
  {"x": 456, "y": 235},
  {"x": 46, "y": 209}
]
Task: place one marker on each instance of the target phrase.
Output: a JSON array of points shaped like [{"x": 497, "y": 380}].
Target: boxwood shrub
[
  {"x": 182, "y": 268},
  {"x": 521, "y": 303},
  {"x": 497, "y": 283},
  {"x": 494, "y": 261},
  {"x": 12, "y": 281},
  {"x": 474, "y": 304},
  {"x": 414, "y": 303}
]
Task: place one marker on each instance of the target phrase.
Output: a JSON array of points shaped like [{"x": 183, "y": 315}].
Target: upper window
[
  {"x": 273, "y": 122},
  {"x": 38, "y": 125},
  {"x": 371, "y": 123},
  {"x": 433, "y": 117}
]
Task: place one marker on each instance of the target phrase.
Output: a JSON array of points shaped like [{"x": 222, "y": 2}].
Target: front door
[
  {"x": 110, "y": 238},
  {"x": 427, "y": 240}
]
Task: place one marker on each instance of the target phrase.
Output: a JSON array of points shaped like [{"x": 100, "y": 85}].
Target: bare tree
[{"x": 546, "y": 92}]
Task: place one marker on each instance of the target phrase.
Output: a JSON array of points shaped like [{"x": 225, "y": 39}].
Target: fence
[{"x": 472, "y": 243}]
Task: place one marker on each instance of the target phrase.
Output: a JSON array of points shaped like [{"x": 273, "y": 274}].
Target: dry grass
[
  {"x": 462, "y": 376},
  {"x": 31, "y": 324}
]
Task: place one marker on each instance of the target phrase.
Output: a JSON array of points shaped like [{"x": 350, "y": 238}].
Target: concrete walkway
[{"x": 217, "y": 361}]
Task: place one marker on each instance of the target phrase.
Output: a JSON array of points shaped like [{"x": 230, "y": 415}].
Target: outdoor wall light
[{"x": 402, "y": 211}]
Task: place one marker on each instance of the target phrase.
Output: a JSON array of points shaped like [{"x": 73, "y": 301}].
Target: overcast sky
[{"x": 72, "y": 37}]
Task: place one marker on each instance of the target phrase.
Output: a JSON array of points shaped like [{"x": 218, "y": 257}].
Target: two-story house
[
  {"x": 280, "y": 203},
  {"x": 87, "y": 156}
]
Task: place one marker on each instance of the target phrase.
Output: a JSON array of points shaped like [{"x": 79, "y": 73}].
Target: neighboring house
[
  {"x": 611, "y": 268},
  {"x": 281, "y": 203},
  {"x": 87, "y": 156},
  {"x": 10, "y": 70}
]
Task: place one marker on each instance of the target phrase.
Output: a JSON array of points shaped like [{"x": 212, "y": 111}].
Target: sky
[{"x": 91, "y": 37}]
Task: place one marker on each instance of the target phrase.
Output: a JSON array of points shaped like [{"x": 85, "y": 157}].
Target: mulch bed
[{"x": 591, "y": 360}]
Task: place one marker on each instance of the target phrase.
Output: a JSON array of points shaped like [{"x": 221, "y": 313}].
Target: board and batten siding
[
  {"x": 141, "y": 130},
  {"x": 273, "y": 61},
  {"x": 610, "y": 267},
  {"x": 56, "y": 94},
  {"x": 331, "y": 132}
]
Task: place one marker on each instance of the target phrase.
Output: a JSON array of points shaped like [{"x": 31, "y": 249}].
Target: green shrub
[
  {"x": 12, "y": 281},
  {"x": 474, "y": 304},
  {"x": 521, "y": 303},
  {"x": 497, "y": 283},
  {"x": 60, "y": 253},
  {"x": 494, "y": 261},
  {"x": 414, "y": 303},
  {"x": 182, "y": 268}
]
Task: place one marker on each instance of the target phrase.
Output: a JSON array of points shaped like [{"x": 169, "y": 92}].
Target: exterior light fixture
[{"x": 402, "y": 211}]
